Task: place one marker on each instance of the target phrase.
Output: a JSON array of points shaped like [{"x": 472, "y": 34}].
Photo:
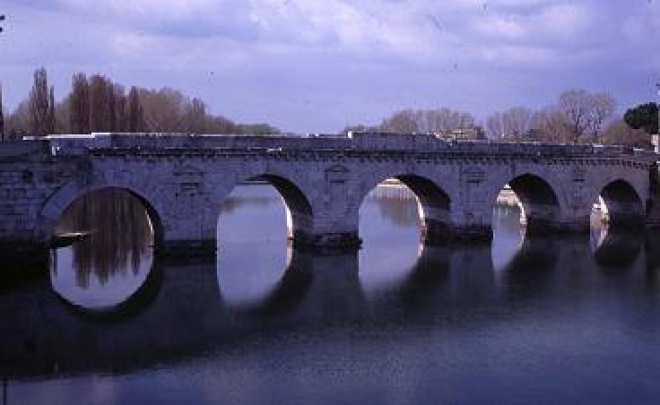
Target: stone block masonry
[{"x": 181, "y": 179}]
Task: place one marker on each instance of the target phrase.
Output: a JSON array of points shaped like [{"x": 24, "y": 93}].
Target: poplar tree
[
  {"x": 135, "y": 111},
  {"x": 2, "y": 118},
  {"x": 99, "y": 104},
  {"x": 51, "y": 111},
  {"x": 79, "y": 104},
  {"x": 39, "y": 104}
]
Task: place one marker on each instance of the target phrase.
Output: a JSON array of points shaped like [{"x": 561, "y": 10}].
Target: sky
[{"x": 319, "y": 65}]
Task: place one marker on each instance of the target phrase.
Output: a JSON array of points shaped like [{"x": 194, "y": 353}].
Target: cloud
[{"x": 354, "y": 59}]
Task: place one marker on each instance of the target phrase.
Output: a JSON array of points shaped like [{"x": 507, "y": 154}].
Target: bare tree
[
  {"x": 39, "y": 104},
  {"x": 2, "y": 118},
  {"x": 19, "y": 122},
  {"x": 495, "y": 127},
  {"x": 619, "y": 133},
  {"x": 603, "y": 106},
  {"x": 585, "y": 113},
  {"x": 135, "y": 113},
  {"x": 195, "y": 118},
  {"x": 100, "y": 91},
  {"x": 112, "y": 107},
  {"x": 550, "y": 125},
  {"x": 519, "y": 121},
  {"x": 221, "y": 125},
  {"x": 400, "y": 122},
  {"x": 120, "y": 108},
  {"x": 163, "y": 109},
  {"x": 514, "y": 124},
  {"x": 425, "y": 121},
  {"x": 79, "y": 104},
  {"x": 63, "y": 116},
  {"x": 51, "y": 111}
]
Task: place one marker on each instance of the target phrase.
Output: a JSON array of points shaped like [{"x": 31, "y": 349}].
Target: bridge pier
[
  {"x": 435, "y": 233},
  {"x": 23, "y": 253},
  {"x": 186, "y": 248},
  {"x": 326, "y": 242},
  {"x": 471, "y": 233},
  {"x": 546, "y": 227}
]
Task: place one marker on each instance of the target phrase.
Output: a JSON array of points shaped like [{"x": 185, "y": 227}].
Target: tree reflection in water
[{"x": 120, "y": 234}]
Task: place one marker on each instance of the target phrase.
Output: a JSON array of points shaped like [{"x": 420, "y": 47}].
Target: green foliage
[
  {"x": 644, "y": 116},
  {"x": 257, "y": 129},
  {"x": 359, "y": 128}
]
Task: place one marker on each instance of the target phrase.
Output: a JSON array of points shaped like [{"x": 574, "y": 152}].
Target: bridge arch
[
  {"x": 297, "y": 203},
  {"x": 539, "y": 199},
  {"x": 623, "y": 204},
  {"x": 58, "y": 203},
  {"x": 434, "y": 204},
  {"x": 300, "y": 215}
]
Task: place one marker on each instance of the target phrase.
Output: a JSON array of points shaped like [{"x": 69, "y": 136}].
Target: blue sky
[{"x": 317, "y": 65}]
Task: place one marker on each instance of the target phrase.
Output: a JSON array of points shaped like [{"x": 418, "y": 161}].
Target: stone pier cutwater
[{"x": 182, "y": 179}]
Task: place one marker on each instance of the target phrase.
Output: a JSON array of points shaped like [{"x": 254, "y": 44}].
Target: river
[{"x": 544, "y": 320}]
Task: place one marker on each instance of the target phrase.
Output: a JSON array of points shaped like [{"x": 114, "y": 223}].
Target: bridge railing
[{"x": 361, "y": 141}]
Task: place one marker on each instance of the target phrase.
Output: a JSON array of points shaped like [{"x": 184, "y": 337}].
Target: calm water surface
[{"x": 569, "y": 320}]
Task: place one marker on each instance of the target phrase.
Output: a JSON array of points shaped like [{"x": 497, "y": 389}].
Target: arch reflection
[
  {"x": 617, "y": 247},
  {"x": 114, "y": 257},
  {"x": 508, "y": 232},
  {"x": 315, "y": 287},
  {"x": 252, "y": 241},
  {"x": 390, "y": 229},
  {"x": 447, "y": 290}
]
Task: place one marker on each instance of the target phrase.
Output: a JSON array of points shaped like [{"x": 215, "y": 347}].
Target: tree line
[
  {"x": 577, "y": 117},
  {"x": 97, "y": 104}
]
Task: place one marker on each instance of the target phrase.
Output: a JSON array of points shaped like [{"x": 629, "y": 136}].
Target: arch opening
[
  {"x": 619, "y": 206},
  {"x": 538, "y": 202},
  {"x": 258, "y": 222},
  {"x": 434, "y": 209},
  {"x": 617, "y": 214},
  {"x": 298, "y": 209},
  {"x": 103, "y": 249},
  {"x": 527, "y": 206},
  {"x": 394, "y": 217}
]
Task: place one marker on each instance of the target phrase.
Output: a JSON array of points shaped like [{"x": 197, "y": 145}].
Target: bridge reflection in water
[{"x": 183, "y": 312}]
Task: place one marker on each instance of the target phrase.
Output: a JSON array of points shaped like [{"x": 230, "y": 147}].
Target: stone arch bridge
[{"x": 182, "y": 179}]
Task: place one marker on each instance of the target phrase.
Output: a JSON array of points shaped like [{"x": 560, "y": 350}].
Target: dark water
[{"x": 569, "y": 320}]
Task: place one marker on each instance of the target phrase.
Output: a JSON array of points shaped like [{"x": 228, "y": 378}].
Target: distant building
[{"x": 463, "y": 134}]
